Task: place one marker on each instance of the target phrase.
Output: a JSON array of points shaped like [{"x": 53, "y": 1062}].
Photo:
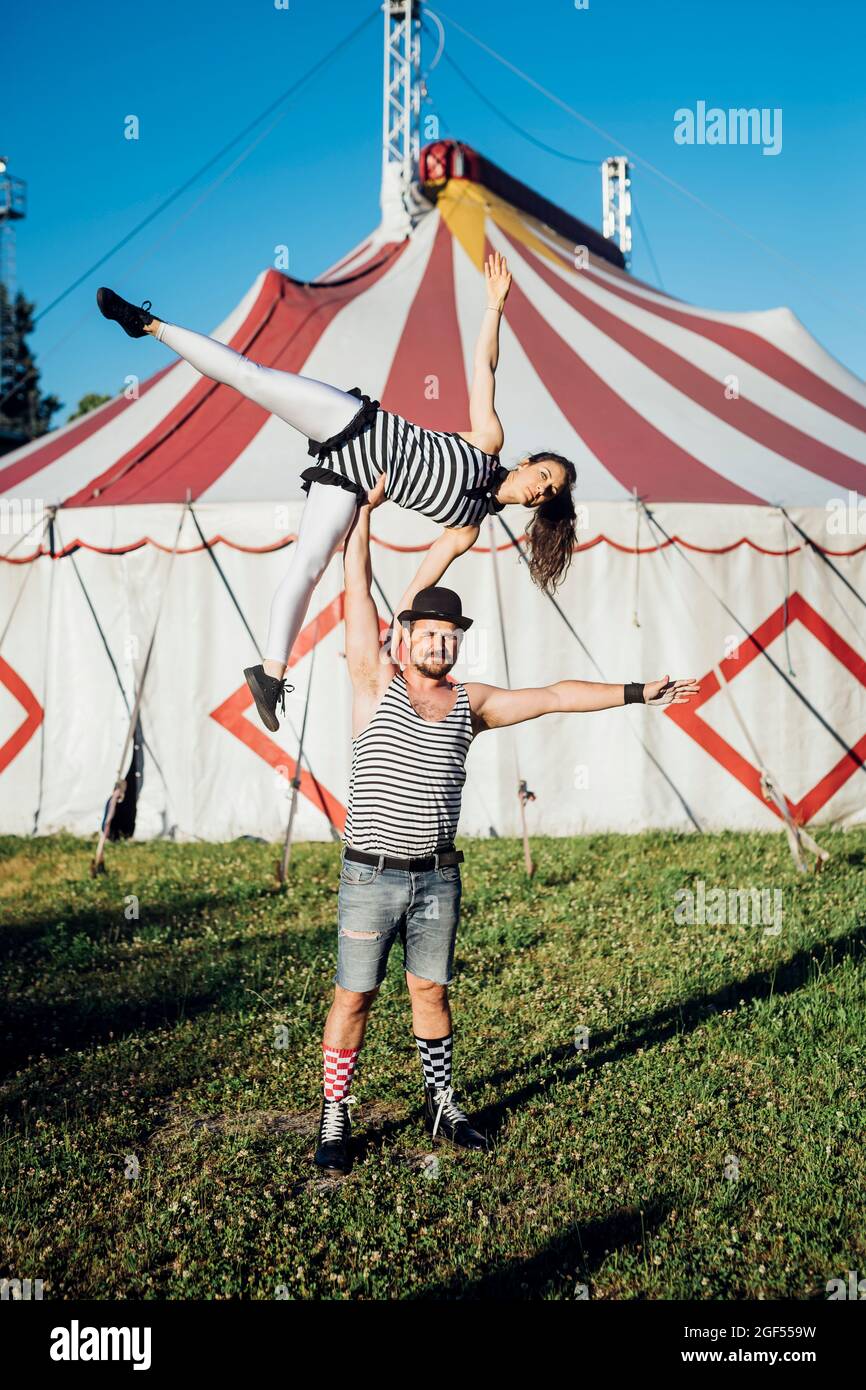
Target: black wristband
[{"x": 634, "y": 694}]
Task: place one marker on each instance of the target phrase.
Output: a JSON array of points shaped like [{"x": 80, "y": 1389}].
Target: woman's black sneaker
[
  {"x": 267, "y": 691},
  {"x": 131, "y": 318}
]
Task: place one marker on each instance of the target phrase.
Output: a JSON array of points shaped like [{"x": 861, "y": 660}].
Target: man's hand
[{"x": 668, "y": 692}]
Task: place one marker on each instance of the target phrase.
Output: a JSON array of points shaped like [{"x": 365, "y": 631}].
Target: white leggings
[{"x": 318, "y": 411}]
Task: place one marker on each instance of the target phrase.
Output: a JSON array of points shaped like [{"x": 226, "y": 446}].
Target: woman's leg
[
  {"x": 326, "y": 518},
  {"x": 313, "y": 407}
]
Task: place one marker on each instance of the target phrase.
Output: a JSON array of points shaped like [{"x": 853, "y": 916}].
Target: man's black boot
[
  {"x": 267, "y": 692},
  {"x": 335, "y": 1134},
  {"x": 444, "y": 1119},
  {"x": 132, "y": 319}
]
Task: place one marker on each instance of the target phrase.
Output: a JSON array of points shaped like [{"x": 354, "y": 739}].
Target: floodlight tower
[
  {"x": 616, "y": 202},
  {"x": 401, "y": 104},
  {"x": 13, "y": 206}
]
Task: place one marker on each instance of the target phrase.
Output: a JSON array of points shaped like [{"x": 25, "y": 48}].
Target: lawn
[{"x": 677, "y": 1107}]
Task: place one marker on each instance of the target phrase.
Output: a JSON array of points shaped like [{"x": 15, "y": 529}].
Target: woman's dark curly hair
[{"x": 552, "y": 531}]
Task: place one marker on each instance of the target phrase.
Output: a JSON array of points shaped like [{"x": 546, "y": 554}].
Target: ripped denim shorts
[{"x": 375, "y": 906}]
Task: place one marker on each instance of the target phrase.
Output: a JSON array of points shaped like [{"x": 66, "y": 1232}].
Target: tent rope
[
  {"x": 814, "y": 554},
  {"x": 302, "y": 757},
  {"x": 108, "y": 653},
  {"x": 524, "y": 795},
  {"x": 634, "y": 617},
  {"x": 119, "y": 791},
  {"x": 799, "y": 838},
  {"x": 283, "y": 866},
  {"x": 791, "y": 671},
  {"x": 822, "y": 556},
  {"x": 644, "y": 745}
]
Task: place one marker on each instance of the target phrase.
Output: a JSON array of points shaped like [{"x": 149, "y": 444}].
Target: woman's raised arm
[
  {"x": 486, "y": 432},
  {"x": 453, "y": 541}
]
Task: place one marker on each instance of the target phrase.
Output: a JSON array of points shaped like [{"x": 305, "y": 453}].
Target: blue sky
[{"x": 196, "y": 73}]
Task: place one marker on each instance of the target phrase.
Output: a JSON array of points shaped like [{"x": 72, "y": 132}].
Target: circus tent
[{"x": 721, "y": 461}]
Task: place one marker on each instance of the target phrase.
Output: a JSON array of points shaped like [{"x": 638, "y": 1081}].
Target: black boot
[
  {"x": 445, "y": 1119},
  {"x": 267, "y": 690},
  {"x": 335, "y": 1133},
  {"x": 131, "y": 319}
]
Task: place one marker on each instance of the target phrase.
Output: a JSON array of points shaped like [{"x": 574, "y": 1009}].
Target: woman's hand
[
  {"x": 498, "y": 280},
  {"x": 668, "y": 692},
  {"x": 397, "y": 639},
  {"x": 377, "y": 495}
]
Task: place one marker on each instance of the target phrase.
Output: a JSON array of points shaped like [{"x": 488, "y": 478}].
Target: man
[{"x": 411, "y": 732}]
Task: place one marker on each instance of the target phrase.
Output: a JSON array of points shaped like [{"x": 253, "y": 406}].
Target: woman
[{"x": 365, "y": 452}]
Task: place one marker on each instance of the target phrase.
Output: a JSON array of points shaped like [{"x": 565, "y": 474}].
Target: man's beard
[{"x": 433, "y": 666}]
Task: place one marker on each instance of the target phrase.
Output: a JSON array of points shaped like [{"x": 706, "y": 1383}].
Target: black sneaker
[
  {"x": 444, "y": 1119},
  {"x": 132, "y": 319},
  {"x": 335, "y": 1133},
  {"x": 267, "y": 690}
]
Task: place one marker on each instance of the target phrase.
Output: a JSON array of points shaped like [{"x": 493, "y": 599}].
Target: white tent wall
[{"x": 589, "y": 773}]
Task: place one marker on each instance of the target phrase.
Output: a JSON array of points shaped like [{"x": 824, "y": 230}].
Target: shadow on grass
[
  {"x": 51, "y": 1025},
  {"x": 572, "y": 1258},
  {"x": 107, "y": 923},
  {"x": 609, "y": 1046}
]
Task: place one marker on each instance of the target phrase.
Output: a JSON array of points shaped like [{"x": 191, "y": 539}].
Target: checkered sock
[
  {"x": 435, "y": 1054},
  {"x": 340, "y": 1063}
]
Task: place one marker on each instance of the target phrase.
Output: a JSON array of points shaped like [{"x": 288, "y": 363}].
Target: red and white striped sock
[{"x": 340, "y": 1063}]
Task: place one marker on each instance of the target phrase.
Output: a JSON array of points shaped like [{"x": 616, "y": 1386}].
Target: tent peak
[{"x": 451, "y": 159}]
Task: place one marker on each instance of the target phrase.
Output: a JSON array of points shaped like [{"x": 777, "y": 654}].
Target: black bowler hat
[{"x": 436, "y": 603}]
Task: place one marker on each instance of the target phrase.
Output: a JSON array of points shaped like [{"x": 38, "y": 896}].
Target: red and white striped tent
[{"x": 709, "y": 447}]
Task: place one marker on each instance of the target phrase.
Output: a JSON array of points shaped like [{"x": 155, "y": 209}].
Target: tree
[
  {"x": 24, "y": 412},
  {"x": 88, "y": 403}
]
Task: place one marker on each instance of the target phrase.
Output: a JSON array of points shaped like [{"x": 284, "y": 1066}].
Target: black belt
[{"x": 418, "y": 865}]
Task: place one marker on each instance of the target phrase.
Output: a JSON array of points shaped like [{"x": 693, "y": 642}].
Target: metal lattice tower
[
  {"x": 13, "y": 206},
  {"x": 616, "y": 202},
  {"x": 400, "y": 112}
]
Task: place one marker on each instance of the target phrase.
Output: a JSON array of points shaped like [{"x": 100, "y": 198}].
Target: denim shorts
[{"x": 375, "y": 905}]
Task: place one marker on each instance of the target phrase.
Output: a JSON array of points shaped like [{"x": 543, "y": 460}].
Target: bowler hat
[{"x": 436, "y": 603}]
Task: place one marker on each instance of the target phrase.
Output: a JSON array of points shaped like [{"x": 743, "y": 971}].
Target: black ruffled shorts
[{"x": 359, "y": 422}]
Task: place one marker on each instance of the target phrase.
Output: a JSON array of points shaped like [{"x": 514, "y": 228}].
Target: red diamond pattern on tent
[
  {"x": 32, "y": 709},
  {"x": 231, "y": 715},
  {"x": 687, "y": 717},
  {"x": 33, "y": 714}
]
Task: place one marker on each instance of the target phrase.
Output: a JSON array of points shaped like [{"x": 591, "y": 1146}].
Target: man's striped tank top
[
  {"x": 429, "y": 471},
  {"x": 407, "y": 776}
]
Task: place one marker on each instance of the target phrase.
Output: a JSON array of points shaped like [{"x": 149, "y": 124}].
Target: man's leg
[
  {"x": 343, "y": 1038},
  {"x": 341, "y": 1045},
  {"x": 369, "y": 912},
  {"x": 431, "y": 1023},
  {"x": 431, "y": 931}
]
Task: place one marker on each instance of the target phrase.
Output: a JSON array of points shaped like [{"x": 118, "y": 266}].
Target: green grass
[{"x": 149, "y": 1043}]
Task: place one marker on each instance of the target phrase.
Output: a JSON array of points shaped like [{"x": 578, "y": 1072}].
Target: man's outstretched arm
[
  {"x": 364, "y": 656},
  {"x": 495, "y": 708}
]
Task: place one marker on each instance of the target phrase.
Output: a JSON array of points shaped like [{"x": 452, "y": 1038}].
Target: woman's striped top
[
  {"x": 407, "y": 776},
  {"x": 429, "y": 471}
]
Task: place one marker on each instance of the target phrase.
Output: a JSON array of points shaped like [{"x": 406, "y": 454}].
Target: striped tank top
[
  {"x": 429, "y": 471},
  {"x": 407, "y": 776}
]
